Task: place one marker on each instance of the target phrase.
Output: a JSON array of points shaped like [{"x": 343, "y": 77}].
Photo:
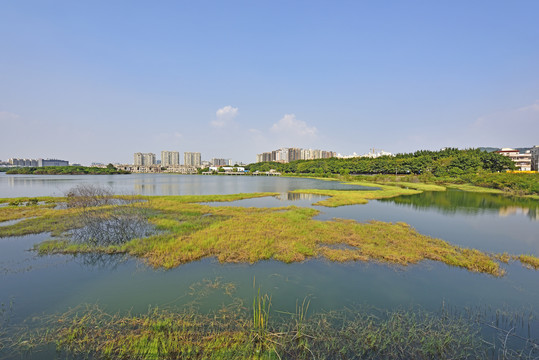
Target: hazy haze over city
[{"x": 98, "y": 81}]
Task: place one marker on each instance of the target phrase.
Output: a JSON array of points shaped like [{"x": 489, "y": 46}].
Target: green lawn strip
[
  {"x": 215, "y": 198},
  {"x": 473, "y": 188},
  {"x": 415, "y": 186}
]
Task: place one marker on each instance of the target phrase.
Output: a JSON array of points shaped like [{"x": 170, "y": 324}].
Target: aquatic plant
[{"x": 350, "y": 333}]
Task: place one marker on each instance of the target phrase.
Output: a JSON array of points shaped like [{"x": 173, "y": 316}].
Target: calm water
[
  {"x": 158, "y": 184},
  {"x": 45, "y": 285}
]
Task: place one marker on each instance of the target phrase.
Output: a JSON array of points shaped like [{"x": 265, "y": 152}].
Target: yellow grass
[{"x": 529, "y": 261}]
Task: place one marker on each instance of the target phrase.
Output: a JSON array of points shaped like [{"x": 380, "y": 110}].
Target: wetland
[{"x": 241, "y": 267}]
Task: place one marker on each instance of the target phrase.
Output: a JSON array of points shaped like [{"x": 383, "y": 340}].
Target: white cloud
[
  {"x": 225, "y": 115},
  {"x": 6, "y": 115},
  {"x": 292, "y": 126},
  {"x": 530, "y": 108}
]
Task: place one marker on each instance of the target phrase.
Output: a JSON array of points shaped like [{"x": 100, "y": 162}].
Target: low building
[
  {"x": 52, "y": 162},
  {"x": 181, "y": 169},
  {"x": 140, "y": 168},
  {"x": 523, "y": 161}
]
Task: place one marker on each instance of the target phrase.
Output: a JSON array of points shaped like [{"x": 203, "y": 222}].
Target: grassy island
[{"x": 173, "y": 230}]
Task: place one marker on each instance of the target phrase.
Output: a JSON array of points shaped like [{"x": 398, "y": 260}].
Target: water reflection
[
  {"x": 101, "y": 261},
  {"x": 455, "y": 201},
  {"x": 299, "y": 197},
  {"x": 160, "y": 184}
]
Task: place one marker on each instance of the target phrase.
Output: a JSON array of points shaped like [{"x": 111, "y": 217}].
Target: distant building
[
  {"x": 139, "y": 168},
  {"x": 220, "y": 162},
  {"x": 285, "y": 155},
  {"x": 192, "y": 159},
  {"x": 170, "y": 158},
  {"x": 52, "y": 162},
  {"x": 523, "y": 161},
  {"x": 23, "y": 162},
  {"x": 535, "y": 158},
  {"x": 182, "y": 169},
  {"x": 144, "y": 159}
]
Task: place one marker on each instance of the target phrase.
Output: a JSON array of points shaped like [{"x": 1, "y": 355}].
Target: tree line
[
  {"x": 67, "y": 170},
  {"x": 446, "y": 162}
]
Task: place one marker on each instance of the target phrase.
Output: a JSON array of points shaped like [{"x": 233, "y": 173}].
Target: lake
[{"x": 37, "y": 286}]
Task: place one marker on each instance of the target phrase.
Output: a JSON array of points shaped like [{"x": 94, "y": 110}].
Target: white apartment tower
[
  {"x": 170, "y": 158},
  {"x": 144, "y": 159},
  {"x": 192, "y": 159}
]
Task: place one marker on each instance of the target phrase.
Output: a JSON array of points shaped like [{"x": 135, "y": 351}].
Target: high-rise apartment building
[
  {"x": 192, "y": 159},
  {"x": 286, "y": 155},
  {"x": 144, "y": 159},
  {"x": 220, "y": 162},
  {"x": 170, "y": 158},
  {"x": 535, "y": 158}
]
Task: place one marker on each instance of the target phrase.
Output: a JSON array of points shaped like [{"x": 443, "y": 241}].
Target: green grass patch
[
  {"x": 355, "y": 197},
  {"x": 473, "y": 188}
]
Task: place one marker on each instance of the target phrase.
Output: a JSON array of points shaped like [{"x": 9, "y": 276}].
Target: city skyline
[{"x": 95, "y": 82}]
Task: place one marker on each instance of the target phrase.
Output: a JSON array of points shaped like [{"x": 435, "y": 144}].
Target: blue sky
[{"x": 99, "y": 80}]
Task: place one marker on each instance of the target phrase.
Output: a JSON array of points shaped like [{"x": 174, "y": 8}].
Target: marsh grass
[
  {"x": 351, "y": 333},
  {"x": 261, "y": 314},
  {"x": 186, "y": 231}
]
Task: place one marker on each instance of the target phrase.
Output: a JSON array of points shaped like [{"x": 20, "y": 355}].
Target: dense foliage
[
  {"x": 447, "y": 162},
  {"x": 66, "y": 170}
]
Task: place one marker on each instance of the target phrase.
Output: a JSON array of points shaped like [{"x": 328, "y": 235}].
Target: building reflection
[
  {"x": 143, "y": 187},
  {"x": 518, "y": 210},
  {"x": 297, "y": 196}
]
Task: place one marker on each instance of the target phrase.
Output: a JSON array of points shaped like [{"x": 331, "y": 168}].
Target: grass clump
[{"x": 530, "y": 261}]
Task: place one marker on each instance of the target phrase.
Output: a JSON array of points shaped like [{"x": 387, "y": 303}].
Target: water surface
[{"x": 44, "y": 285}]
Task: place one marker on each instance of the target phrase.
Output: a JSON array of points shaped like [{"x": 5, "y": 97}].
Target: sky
[{"x": 96, "y": 81}]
